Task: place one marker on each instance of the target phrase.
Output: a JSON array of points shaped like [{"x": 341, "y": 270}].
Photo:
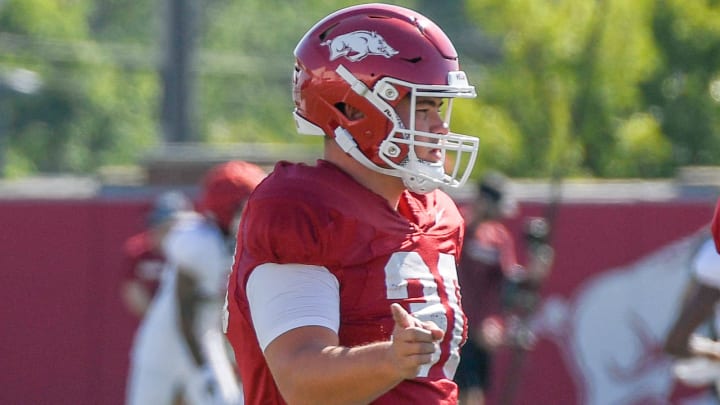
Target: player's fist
[{"x": 413, "y": 342}]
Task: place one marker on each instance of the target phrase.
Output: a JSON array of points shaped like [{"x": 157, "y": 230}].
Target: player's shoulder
[
  {"x": 192, "y": 232},
  {"x": 492, "y": 230},
  {"x": 138, "y": 244},
  {"x": 298, "y": 177},
  {"x": 443, "y": 200},
  {"x": 706, "y": 258},
  {"x": 435, "y": 209},
  {"x": 319, "y": 187}
]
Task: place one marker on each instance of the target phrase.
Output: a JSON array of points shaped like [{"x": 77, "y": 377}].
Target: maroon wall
[
  {"x": 592, "y": 240},
  {"x": 65, "y": 335}
]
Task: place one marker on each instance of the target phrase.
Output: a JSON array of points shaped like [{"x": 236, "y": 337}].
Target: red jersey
[
  {"x": 488, "y": 258},
  {"x": 144, "y": 261},
  {"x": 319, "y": 215}
]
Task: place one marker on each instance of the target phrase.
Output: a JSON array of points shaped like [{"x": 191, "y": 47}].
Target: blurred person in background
[
  {"x": 695, "y": 349},
  {"x": 180, "y": 350},
  {"x": 495, "y": 288},
  {"x": 143, "y": 252}
]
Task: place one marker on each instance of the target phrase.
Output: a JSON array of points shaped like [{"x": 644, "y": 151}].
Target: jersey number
[{"x": 435, "y": 298}]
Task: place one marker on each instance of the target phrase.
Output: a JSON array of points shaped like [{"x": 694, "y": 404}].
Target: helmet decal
[{"x": 355, "y": 46}]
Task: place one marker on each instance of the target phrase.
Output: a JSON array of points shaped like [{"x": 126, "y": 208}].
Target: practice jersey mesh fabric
[{"x": 318, "y": 215}]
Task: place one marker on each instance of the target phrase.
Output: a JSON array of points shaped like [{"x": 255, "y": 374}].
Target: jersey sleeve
[
  {"x": 283, "y": 231},
  {"x": 199, "y": 253},
  {"x": 494, "y": 239},
  {"x": 287, "y": 296}
]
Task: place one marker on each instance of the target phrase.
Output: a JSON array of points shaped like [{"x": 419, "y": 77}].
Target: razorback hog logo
[{"x": 356, "y": 45}]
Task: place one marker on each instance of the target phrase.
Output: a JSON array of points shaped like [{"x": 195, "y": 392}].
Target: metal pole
[{"x": 178, "y": 101}]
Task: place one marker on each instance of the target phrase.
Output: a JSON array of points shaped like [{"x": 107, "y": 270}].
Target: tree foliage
[
  {"x": 603, "y": 88},
  {"x": 582, "y": 87}
]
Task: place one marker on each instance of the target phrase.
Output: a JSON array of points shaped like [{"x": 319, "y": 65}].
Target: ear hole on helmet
[
  {"x": 413, "y": 60},
  {"x": 350, "y": 112}
]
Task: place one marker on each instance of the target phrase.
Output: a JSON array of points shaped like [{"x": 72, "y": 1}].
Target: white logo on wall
[
  {"x": 612, "y": 331},
  {"x": 355, "y": 46}
]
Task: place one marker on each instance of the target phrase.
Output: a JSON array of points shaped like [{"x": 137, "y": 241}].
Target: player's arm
[
  {"x": 307, "y": 362},
  {"x": 187, "y": 297},
  {"x": 696, "y": 309},
  {"x": 136, "y": 296},
  {"x": 194, "y": 256}
]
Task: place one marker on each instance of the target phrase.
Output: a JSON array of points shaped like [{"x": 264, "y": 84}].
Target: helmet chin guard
[{"x": 421, "y": 184}]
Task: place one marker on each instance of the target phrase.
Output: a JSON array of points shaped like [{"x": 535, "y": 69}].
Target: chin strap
[
  {"x": 420, "y": 184},
  {"x": 413, "y": 182}
]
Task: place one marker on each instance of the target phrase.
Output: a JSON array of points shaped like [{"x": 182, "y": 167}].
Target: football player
[
  {"x": 143, "y": 252},
  {"x": 497, "y": 289},
  {"x": 344, "y": 287},
  {"x": 180, "y": 350}
]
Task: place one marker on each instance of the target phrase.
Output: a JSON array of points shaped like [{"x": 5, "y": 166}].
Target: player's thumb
[{"x": 400, "y": 316}]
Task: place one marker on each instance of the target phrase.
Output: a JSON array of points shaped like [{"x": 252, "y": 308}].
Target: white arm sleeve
[
  {"x": 706, "y": 265},
  {"x": 287, "y": 296}
]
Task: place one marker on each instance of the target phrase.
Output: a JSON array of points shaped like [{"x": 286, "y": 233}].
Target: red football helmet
[
  {"x": 225, "y": 188},
  {"x": 370, "y": 57}
]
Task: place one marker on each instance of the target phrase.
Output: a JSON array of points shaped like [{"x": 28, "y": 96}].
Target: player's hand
[
  {"x": 413, "y": 342},
  {"x": 704, "y": 347}
]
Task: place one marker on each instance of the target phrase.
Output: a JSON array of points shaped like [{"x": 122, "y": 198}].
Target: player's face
[{"x": 428, "y": 118}]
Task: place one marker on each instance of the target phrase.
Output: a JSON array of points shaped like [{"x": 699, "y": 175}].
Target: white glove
[
  {"x": 703, "y": 346},
  {"x": 200, "y": 387},
  {"x": 697, "y": 371}
]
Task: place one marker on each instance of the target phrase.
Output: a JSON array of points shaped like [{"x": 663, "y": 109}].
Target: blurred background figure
[
  {"x": 143, "y": 252},
  {"x": 692, "y": 338},
  {"x": 180, "y": 350},
  {"x": 497, "y": 292}
]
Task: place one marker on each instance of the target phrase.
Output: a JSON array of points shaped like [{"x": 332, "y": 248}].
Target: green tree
[
  {"x": 90, "y": 110},
  {"x": 582, "y": 87},
  {"x": 249, "y": 98},
  {"x": 684, "y": 92},
  {"x": 569, "y": 76}
]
